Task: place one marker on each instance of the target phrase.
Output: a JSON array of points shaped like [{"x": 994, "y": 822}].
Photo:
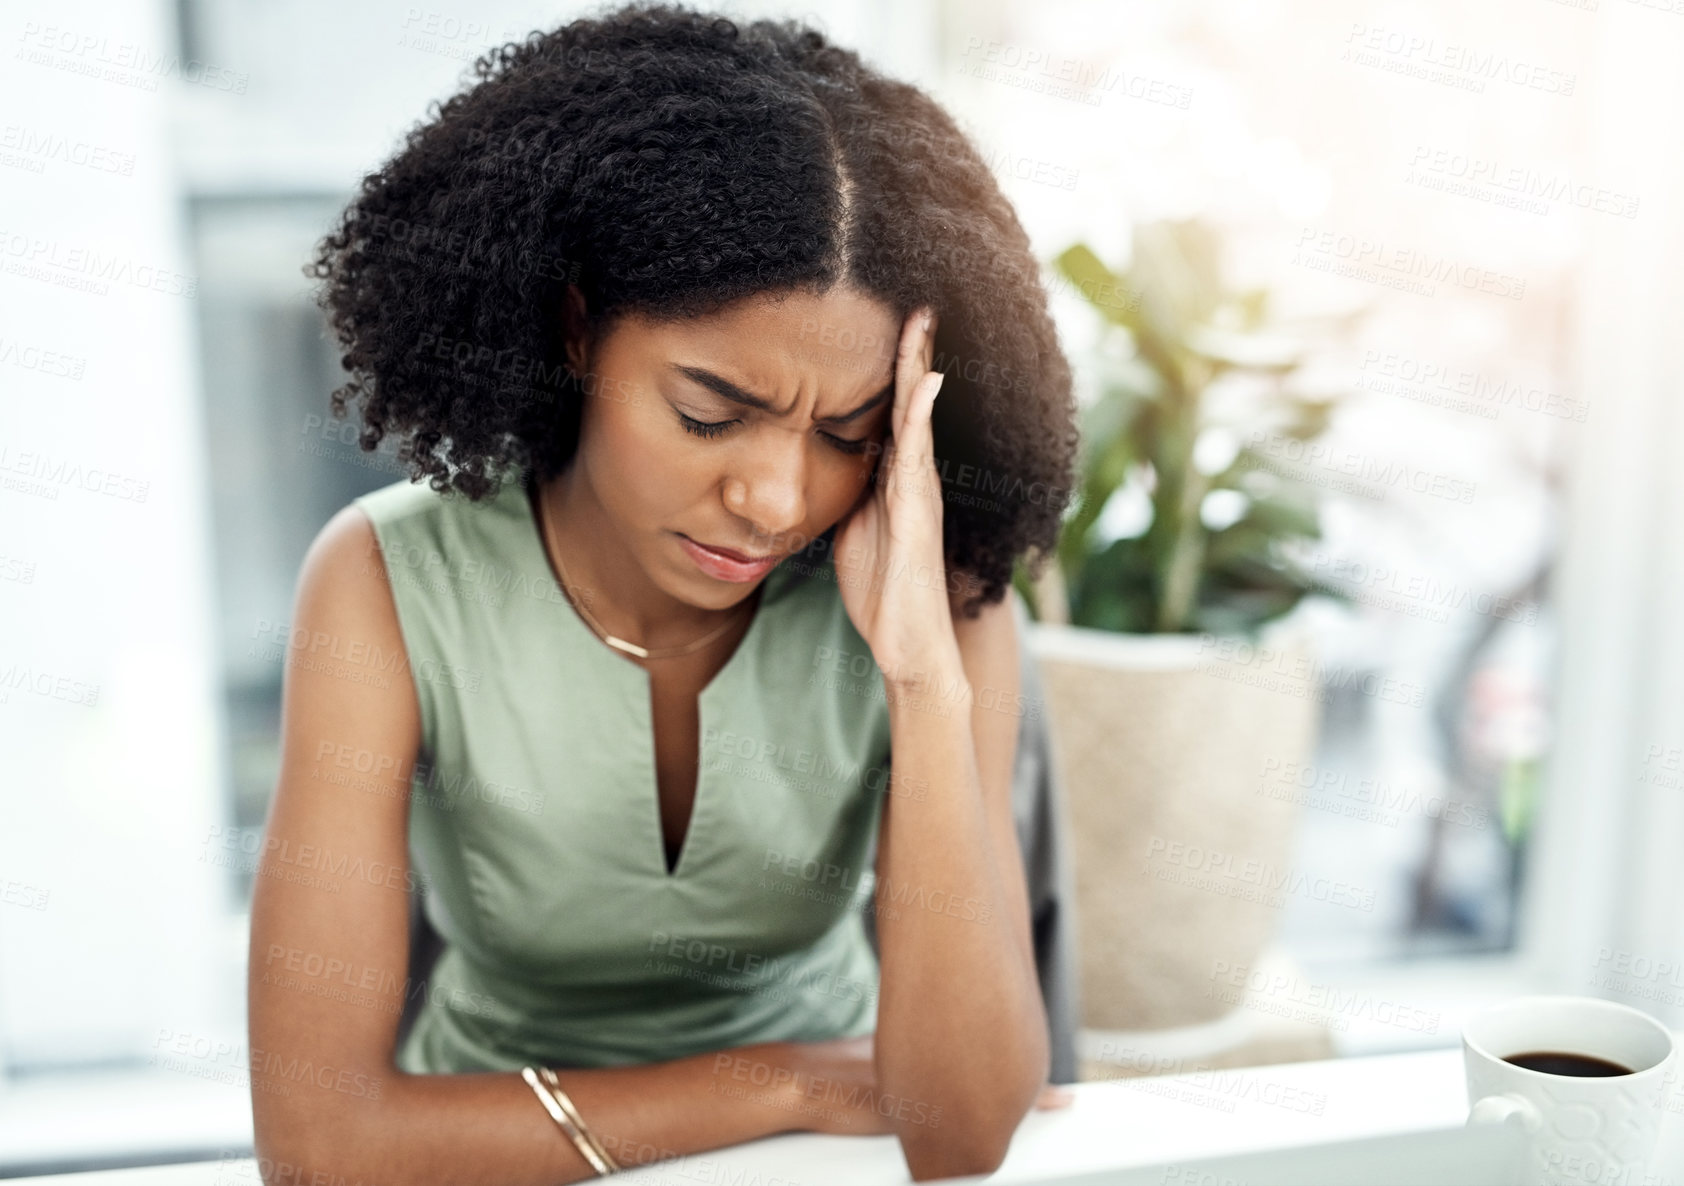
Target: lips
[
  {"x": 727, "y": 564},
  {"x": 733, "y": 553}
]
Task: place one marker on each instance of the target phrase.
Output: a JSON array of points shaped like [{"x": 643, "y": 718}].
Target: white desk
[{"x": 1112, "y": 1124}]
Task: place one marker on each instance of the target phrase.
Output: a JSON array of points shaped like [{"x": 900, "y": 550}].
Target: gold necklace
[{"x": 631, "y": 648}]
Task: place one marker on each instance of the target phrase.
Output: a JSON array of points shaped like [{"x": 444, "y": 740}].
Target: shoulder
[
  {"x": 343, "y": 575},
  {"x": 345, "y": 643},
  {"x": 399, "y": 501},
  {"x": 406, "y": 505},
  {"x": 991, "y": 653},
  {"x": 417, "y": 526},
  {"x": 995, "y": 627},
  {"x": 404, "y": 521},
  {"x": 356, "y": 578}
]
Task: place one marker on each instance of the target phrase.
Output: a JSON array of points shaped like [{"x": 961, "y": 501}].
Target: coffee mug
[{"x": 1586, "y": 1124}]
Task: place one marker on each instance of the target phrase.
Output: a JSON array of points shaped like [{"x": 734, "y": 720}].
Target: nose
[{"x": 768, "y": 486}]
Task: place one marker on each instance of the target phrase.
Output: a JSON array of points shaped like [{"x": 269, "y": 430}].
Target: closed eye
[
  {"x": 704, "y": 428},
  {"x": 714, "y": 428},
  {"x": 846, "y": 445}
]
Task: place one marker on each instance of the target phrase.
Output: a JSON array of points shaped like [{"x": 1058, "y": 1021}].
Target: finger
[
  {"x": 921, "y": 415},
  {"x": 911, "y": 365},
  {"x": 1053, "y": 1096},
  {"x": 916, "y": 449},
  {"x": 886, "y": 468}
]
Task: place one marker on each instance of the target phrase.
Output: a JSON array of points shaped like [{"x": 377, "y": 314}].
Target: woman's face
[{"x": 673, "y": 450}]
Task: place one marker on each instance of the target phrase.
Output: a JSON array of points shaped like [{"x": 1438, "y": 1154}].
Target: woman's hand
[
  {"x": 889, "y": 559},
  {"x": 835, "y": 1086}
]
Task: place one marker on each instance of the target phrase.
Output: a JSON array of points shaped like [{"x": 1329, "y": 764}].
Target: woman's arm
[
  {"x": 330, "y": 946},
  {"x": 960, "y": 1020}
]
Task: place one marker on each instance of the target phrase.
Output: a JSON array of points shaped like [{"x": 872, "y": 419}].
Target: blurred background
[{"x": 1421, "y": 260}]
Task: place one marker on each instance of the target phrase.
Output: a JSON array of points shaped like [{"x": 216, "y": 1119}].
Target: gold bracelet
[
  {"x": 587, "y": 1147},
  {"x": 572, "y": 1111}
]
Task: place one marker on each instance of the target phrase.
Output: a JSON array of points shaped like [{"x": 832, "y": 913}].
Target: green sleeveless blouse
[{"x": 534, "y": 819}]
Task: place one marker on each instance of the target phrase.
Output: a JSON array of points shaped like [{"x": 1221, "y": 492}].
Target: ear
[{"x": 575, "y": 324}]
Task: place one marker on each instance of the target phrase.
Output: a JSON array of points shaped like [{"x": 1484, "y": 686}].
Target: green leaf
[
  {"x": 1174, "y": 329},
  {"x": 1099, "y": 285}
]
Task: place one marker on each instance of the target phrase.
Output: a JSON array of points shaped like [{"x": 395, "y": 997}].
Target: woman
[{"x": 661, "y": 307}]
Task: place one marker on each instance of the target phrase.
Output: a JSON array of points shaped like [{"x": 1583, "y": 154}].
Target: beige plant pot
[{"x": 1171, "y": 749}]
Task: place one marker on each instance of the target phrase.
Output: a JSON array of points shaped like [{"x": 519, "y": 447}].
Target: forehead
[{"x": 842, "y": 344}]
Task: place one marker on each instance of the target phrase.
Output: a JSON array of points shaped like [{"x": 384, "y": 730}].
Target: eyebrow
[{"x": 728, "y": 390}]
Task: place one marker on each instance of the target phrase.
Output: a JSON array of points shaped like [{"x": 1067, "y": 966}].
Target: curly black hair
[{"x": 669, "y": 162}]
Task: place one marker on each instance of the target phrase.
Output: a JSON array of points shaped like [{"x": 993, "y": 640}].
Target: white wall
[{"x": 110, "y": 782}]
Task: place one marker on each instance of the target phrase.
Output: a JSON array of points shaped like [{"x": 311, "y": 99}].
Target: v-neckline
[{"x": 536, "y": 538}]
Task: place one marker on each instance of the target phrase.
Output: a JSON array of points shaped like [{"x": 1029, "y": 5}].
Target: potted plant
[{"x": 1180, "y": 686}]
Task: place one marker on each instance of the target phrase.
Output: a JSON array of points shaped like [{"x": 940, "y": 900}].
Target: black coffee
[{"x": 1555, "y": 1062}]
